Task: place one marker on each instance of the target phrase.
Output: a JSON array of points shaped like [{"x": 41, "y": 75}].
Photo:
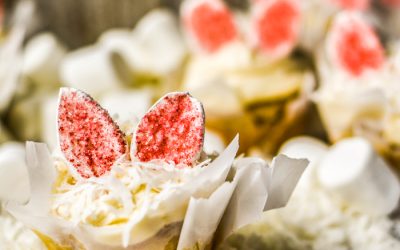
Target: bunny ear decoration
[
  {"x": 88, "y": 137},
  {"x": 353, "y": 44},
  {"x": 171, "y": 131},
  {"x": 276, "y": 24},
  {"x": 209, "y": 23}
]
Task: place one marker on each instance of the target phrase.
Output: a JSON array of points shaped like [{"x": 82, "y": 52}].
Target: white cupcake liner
[{"x": 218, "y": 203}]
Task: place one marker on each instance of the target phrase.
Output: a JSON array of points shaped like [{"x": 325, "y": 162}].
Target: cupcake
[
  {"x": 239, "y": 57},
  {"x": 358, "y": 89},
  {"x": 152, "y": 189},
  {"x": 342, "y": 201}
]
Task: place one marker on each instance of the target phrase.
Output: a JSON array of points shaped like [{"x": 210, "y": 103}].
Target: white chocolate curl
[{"x": 217, "y": 203}]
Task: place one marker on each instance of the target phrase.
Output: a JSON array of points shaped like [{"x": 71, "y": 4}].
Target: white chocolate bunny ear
[
  {"x": 88, "y": 137},
  {"x": 209, "y": 24},
  {"x": 171, "y": 131},
  {"x": 353, "y": 45},
  {"x": 276, "y": 26}
]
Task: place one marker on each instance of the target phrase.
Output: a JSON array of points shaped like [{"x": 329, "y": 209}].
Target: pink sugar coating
[
  {"x": 358, "y": 47},
  {"x": 89, "y": 138},
  {"x": 173, "y": 130},
  {"x": 278, "y": 25},
  {"x": 213, "y": 27}
]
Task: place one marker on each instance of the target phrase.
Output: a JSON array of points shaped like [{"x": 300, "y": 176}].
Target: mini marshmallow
[
  {"x": 142, "y": 50},
  {"x": 161, "y": 25},
  {"x": 353, "y": 171},
  {"x": 90, "y": 69},
  {"x": 123, "y": 43},
  {"x": 42, "y": 57},
  {"x": 14, "y": 181},
  {"x": 305, "y": 147}
]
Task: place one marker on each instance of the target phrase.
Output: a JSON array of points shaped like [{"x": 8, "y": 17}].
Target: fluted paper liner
[{"x": 225, "y": 196}]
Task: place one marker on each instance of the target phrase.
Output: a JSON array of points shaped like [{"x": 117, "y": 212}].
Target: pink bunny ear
[
  {"x": 89, "y": 138},
  {"x": 354, "y": 45},
  {"x": 210, "y": 23},
  {"x": 172, "y": 131},
  {"x": 276, "y": 24}
]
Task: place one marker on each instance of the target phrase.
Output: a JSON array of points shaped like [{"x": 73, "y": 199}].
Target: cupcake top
[
  {"x": 143, "y": 196},
  {"x": 270, "y": 28},
  {"x": 353, "y": 56},
  {"x": 148, "y": 189},
  {"x": 103, "y": 180}
]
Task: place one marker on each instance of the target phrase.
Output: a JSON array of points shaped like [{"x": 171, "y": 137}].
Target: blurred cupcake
[
  {"x": 4, "y": 134},
  {"x": 245, "y": 59},
  {"x": 317, "y": 16},
  {"x": 358, "y": 89},
  {"x": 161, "y": 192},
  {"x": 124, "y": 58},
  {"x": 342, "y": 201}
]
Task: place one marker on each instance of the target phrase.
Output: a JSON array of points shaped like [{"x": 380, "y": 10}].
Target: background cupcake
[{"x": 237, "y": 58}]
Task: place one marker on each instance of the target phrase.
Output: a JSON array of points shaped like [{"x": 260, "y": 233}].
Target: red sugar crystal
[
  {"x": 89, "y": 138},
  {"x": 352, "y": 4},
  {"x": 357, "y": 46},
  {"x": 277, "y": 25},
  {"x": 173, "y": 130},
  {"x": 212, "y": 25}
]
